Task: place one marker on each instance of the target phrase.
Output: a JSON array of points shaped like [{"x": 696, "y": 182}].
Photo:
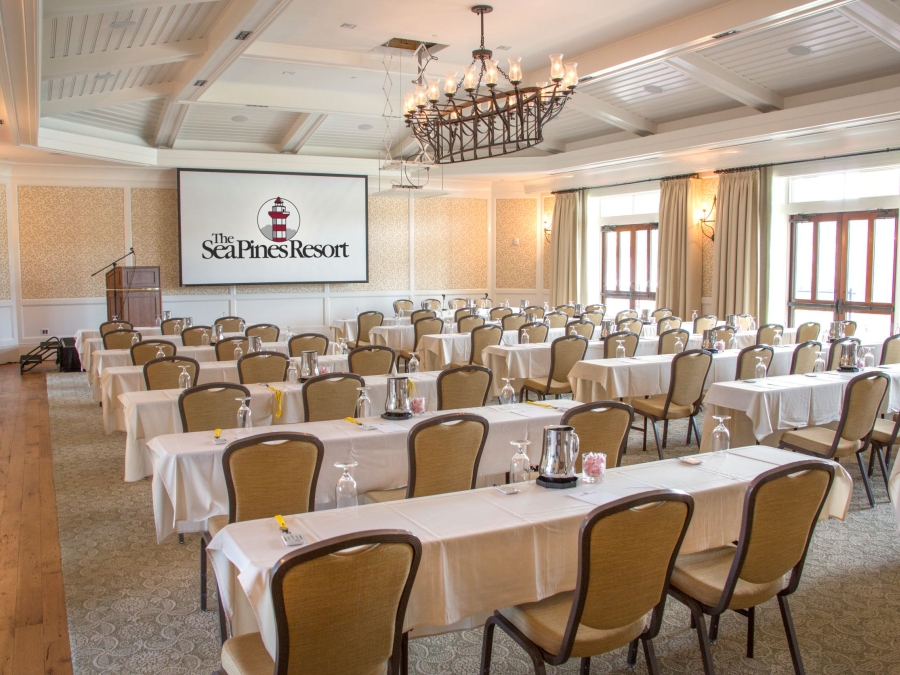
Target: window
[
  {"x": 630, "y": 263},
  {"x": 629, "y": 204},
  {"x": 845, "y": 185}
]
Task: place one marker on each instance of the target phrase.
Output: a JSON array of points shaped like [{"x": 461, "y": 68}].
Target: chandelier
[{"x": 473, "y": 123}]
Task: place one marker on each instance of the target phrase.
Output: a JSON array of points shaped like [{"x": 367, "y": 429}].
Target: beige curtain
[
  {"x": 736, "y": 248},
  {"x": 680, "y": 247},
  {"x": 568, "y": 268}
]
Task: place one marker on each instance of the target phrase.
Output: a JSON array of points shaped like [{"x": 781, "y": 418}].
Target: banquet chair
[
  {"x": 862, "y": 401},
  {"x": 421, "y": 328},
  {"x": 146, "y": 350},
  {"x": 602, "y": 426},
  {"x": 512, "y": 322},
  {"x": 265, "y": 475},
  {"x": 849, "y": 328},
  {"x": 668, "y": 323},
  {"x": 498, "y": 313},
  {"x": 667, "y": 340},
  {"x": 568, "y": 310},
  {"x": 633, "y": 325},
  {"x": 110, "y": 326},
  {"x": 267, "y": 331},
  {"x": 421, "y": 314},
  {"x": 163, "y": 373},
  {"x": 193, "y": 336},
  {"x": 463, "y": 387},
  {"x": 331, "y": 397},
  {"x": 468, "y": 323},
  {"x": 556, "y": 319},
  {"x": 565, "y": 352},
  {"x": 781, "y": 508},
  {"x": 537, "y": 332},
  {"x": 262, "y": 368},
  {"x": 444, "y": 454},
  {"x": 461, "y": 312},
  {"x": 167, "y": 327},
  {"x": 119, "y": 339},
  {"x": 725, "y": 333},
  {"x": 622, "y": 578},
  {"x": 596, "y": 308},
  {"x": 456, "y": 303},
  {"x": 372, "y": 360},
  {"x": 230, "y": 324},
  {"x": 808, "y": 332},
  {"x": 705, "y": 323},
  {"x": 890, "y": 350},
  {"x": 629, "y": 339},
  {"x": 404, "y": 305},
  {"x": 689, "y": 371},
  {"x": 766, "y": 334},
  {"x": 226, "y": 346},
  {"x": 884, "y": 437},
  {"x": 626, "y": 314},
  {"x": 431, "y": 303},
  {"x": 484, "y": 303},
  {"x": 804, "y": 359},
  {"x": 595, "y": 318},
  {"x": 308, "y": 342},
  {"x": 582, "y": 327},
  {"x": 365, "y": 322},
  {"x": 355, "y": 585},
  {"x": 834, "y": 352},
  {"x": 210, "y": 406},
  {"x": 534, "y": 309},
  {"x": 746, "y": 361},
  {"x": 482, "y": 337},
  {"x": 661, "y": 313}
]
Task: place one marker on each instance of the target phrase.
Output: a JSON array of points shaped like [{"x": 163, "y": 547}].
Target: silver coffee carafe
[
  {"x": 579, "y": 308},
  {"x": 606, "y": 327},
  {"x": 558, "y": 457},
  {"x": 731, "y": 320},
  {"x": 836, "y": 331},
  {"x": 396, "y": 403},
  {"x": 645, "y": 315},
  {"x": 254, "y": 344},
  {"x": 849, "y": 356},
  {"x": 709, "y": 339},
  {"x": 530, "y": 317},
  {"x": 309, "y": 363},
  {"x": 219, "y": 333}
]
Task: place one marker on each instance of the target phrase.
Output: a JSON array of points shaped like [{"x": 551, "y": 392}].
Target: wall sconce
[
  {"x": 707, "y": 220},
  {"x": 548, "y": 230}
]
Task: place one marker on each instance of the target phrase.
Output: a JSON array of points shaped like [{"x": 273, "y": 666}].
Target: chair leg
[
  {"x": 884, "y": 470},
  {"x": 203, "y": 567},
  {"x": 631, "y": 658},
  {"x": 751, "y": 629},
  {"x": 791, "y": 634},
  {"x": 688, "y": 441},
  {"x": 865, "y": 479},
  {"x": 696, "y": 430},
  {"x": 517, "y": 636},
  {"x": 871, "y": 459},
  {"x": 656, "y": 436},
  {"x": 487, "y": 645},
  {"x": 645, "y": 434},
  {"x": 665, "y": 433},
  {"x": 181, "y": 538},
  {"x": 714, "y": 628},
  {"x": 650, "y": 655},
  {"x": 404, "y": 654},
  {"x": 585, "y": 666},
  {"x": 702, "y": 637},
  {"x": 223, "y": 622}
]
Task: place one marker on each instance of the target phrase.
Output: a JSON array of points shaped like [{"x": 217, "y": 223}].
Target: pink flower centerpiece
[{"x": 593, "y": 466}]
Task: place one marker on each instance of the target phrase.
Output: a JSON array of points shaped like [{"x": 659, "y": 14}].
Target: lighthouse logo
[{"x": 278, "y": 219}]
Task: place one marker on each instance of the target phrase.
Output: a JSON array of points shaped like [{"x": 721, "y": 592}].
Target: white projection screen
[{"x": 239, "y": 227}]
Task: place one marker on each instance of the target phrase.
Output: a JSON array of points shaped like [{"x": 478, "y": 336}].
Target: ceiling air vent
[
  {"x": 199, "y": 83},
  {"x": 725, "y": 34},
  {"x": 407, "y": 46},
  {"x": 243, "y": 35}
]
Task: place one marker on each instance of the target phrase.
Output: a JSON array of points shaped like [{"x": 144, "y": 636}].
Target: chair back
[
  {"x": 306, "y": 342},
  {"x": 890, "y": 350},
  {"x": 746, "y": 361},
  {"x": 804, "y": 359},
  {"x": 595, "y": 318},
  {"x": 862, "y": 402},
  {"x": 460, "y": 313},
  {"x": 372, "y": 360},
  {"x": 595, "y": 308},
  {"x": 584, "y": 328},
  {"x": 266, "y": 331},
  {"x": 534, "y": 309},
  {"x": 444, "y": 454},
  {"x": 193, "y": 336},
  {"x": 331, "y": 397},
  {"x": 689, "y": 371},
  {"x": 626, "y": 314},
  {"x": 353, "y": 585},
  {"x": 499, "y": 312},
  {"x": 705, "y": 323},
  {"x": 849, "y": 328},
  {"x": 667, "y": 340},
  {"x": 167, "y": 327},
  {"x": 557, "y": 319},
  {"x": 468, "y": 323},
  {"x": 725, "y": 333},
  {"x": 766, "y": 334},
  {"x": 456, "y": 303},
  {"x": 630, "y": 342},
  {"x": 482, "y": 337},
  {"x": 432, "y": 304},
  {"x": 512, "y": 322},
  {"x": 661, "y": 313},
  {"x": 834, "y": 352},
  {"x": 210, "y": 406},
  {"x": 463, "y": 387},
  {"x": 226, "y": 346},
  {"x": 667, "y": 323},
  {"x": 565, "y": 352},
  {"x": 163, "y": 373},
  {"x": 426, "y": 326},
  {"x": 568, "y": 310},
  {"x": 230, "y": 324},
  {"x": 119, "y": 339},
  {"x": 271, "y": 474},
  {"x": 484, "y": 303},
  {"x": 632, "y": 325},
  {"x": 365, "y": 322},
  {"x": 403, "y": 306},
  {"x": 602, "y": 426},
  {"x": 537, "y": 332},
  {"x": 146, "y": 350},
  {"x": 808, "y": 332},
  {"x": 109, "y": 326},
  {"x": 262, "y": 367},
  {"x": 420, "y": 314}
]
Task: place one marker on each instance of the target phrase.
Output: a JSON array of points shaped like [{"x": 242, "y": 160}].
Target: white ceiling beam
[
  {"x": 120, "y": 59},
  {"x": 725, "y": 81},
  {"x": 611, "y": 114},
  {"x": 56, "y": 8},
  {"x": 20, "y": 68},
  {"x": 881, "y": 18},
  {"x": 294, "y": 99},
  {"x": 104, "y": 100},
  {"x": 300, "y": 132}
]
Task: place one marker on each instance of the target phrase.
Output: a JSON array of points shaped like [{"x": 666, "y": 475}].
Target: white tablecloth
[
  {"x": 84, "y": 334},
  {"x": 439, "y": 350},
  {"x": 89, "y": 345},
  {"x": 482, "y": 550},
  {"x": 189, "y": 486}
]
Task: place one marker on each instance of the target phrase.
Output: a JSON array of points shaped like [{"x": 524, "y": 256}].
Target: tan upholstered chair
[
  {"x": 743, "y": 322},
  {"x": 834, "y": 352},
  {"x": 120, "y": 339},
  {"x": 595, "y": 308},
  {"x": 883, "y": 440},
  {"x": 629, "y": 339},
  {"x": 226, "y": 346},
  {"x": 705, "y": 323},
  {"x": 632, "y": 325},
  {"x": 163, "y": 373},
  {"x": 167, "y": 327},
  {"x": 267, "y": 331},
  {"x": 354, "y": 585},
  {"x": 467, "y": 323},
  {"x": 622, "y": 577},
  {"x": 804, "y": 359},
  {"x": 781, "y": 508},
  {"x": 331, "y": 397},
  {"x": 890, "y": 350},
  {"x": 534, "y": 309},
  {"x": 431, "y": 303},
  {"x": 456, "y": 303},
  {"x": 537, "y": 332},
  {"x": 667, "y": 340},
  {"x": 230, "y": 324},
  {"x": 512, "y": 322},
  {"x": 460, "y": 313},
  {"x": 146, "y": 350},
  {"x": 193, "y": 336},
  {"x": 262, "y": 367},
  {"x": 421, "y": 328},
  {"x": 849, "y": 328},
  {"x": 746, "y": 361},
  {"x": 307, "y": 342},
  {"x": 210, "y": 406},
  {"x": 110, "y": 326},
  {"x": 463, "y": 387},
  {"x": 862, "y": 401},
  {"x": 667, "y": 324},
  {"x": 568, "y": 310},
  {"x": 484, "y": 303},
  {"x": 499, "y": 312},
  {"x": 725, "y": 333},
  {"x": 689, "y": 371},
  {"x": 626, "y": 314},
  {"x": 766, "y": 334},
  {"x": 482, "y": 337},
  {"x": 444, "y": 455},
  {"x": 661, "y": 313},
  {"x": 602, "y": 426},
  {"x": 595, "y": 318},
  {"x": 365, "y": 322},
  {"x": 565, "y": 352},
  {"x": 557, "y": 319},
  {"x": 372, "y": 360},
  {"x": 582, "y": 327},
  {"x": 808, "y": 332},
  {"x": 420, "y": 314},
  {"x": 403, "y": 306}
]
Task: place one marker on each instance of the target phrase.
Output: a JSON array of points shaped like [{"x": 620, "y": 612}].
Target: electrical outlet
[{"x": 45, "y": 331}]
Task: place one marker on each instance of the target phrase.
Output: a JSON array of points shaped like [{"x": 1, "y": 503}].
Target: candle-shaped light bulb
[
  {"x": 571, "y": 77},
  {"x": 421, "y": 96},
  {"x": 515, "y": 69},
  {"x": 450, "y": 84},
  {"x": 470, "y": 81},
  {"x": 557, "y": 70},
  {"x": 491, "y": 73},
  {"x": 434, "y": 89},
  {"x": 409, "y": 101}
]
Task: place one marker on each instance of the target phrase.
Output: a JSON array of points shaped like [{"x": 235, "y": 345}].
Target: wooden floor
[{"x": 34, "y": 637}]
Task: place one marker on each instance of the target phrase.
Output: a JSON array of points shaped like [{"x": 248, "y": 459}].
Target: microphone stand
[{"x": 113, "y": 264}]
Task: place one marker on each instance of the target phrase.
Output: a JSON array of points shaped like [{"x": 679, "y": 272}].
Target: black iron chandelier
[{"x": 474, "y": 123}]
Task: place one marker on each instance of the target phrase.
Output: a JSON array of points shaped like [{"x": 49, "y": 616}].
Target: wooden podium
[{"x": 133, "y": 294}]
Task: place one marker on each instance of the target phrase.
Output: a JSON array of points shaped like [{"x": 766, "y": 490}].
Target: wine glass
[
  {"x": 204, "y": 339},
  {"x": 733, "y": 343},
  {"x": 135, "y": 339},
  {"x": 620, "y": 350},
  {"x": 526, "y": 339},
  {"x": 345, "y": 490},
  {"x": 115, "y": 317},
  {"x": 343, "y": 345},
  {"x": 219, "y": 333},
  {"x": 507, "y": 394},
  {"x": 752, "y": 327},
  {"x": 244, "y": 416},
  {"x": 167, "y": 314},
  {"x": 241, "y": 325},
  {"x": 178, "y": 328},
  {"x": 412, "y": 365},
  {"x": 363, "y": 403},
  {"x": 238, "y": 352},
  {"x": 819, "y": 365},
  {"x": 694, "y": 316},
  {"x": 188, "y": 322},
  {"x": 679, "y": 345},
  {"x": 160, "y": 354},
  {"x": 721, "y": 438},
  {"x": 776, "y": 341},
  {"x": 158, "y": 320},
  {"x": 184, "y": 379},
  {"x": 292, "y": 373},
  {"x": 869, "y": 358},
  {"x": 520, "y": 464},
  {"x": 761, "y": 369}
]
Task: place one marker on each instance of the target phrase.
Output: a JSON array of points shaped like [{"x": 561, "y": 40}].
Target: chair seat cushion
[
  {"x": 818, "y": 440},
  {"x": 246, "y": 655},
  {"x": 216, "y": 523},
  {"x": 883, "y": 431},
  {"x": 405, "y": 354},
  {"x": 655, "y": 405},
  {"x": 540, "y": 384},
  {"x": 456, "y": 364},
  {"x": 358, "y": 343},
  {"x": 544, "y": 622},
  {"x": 380, "y": 496},
  {"x": 702, "y": 575}
]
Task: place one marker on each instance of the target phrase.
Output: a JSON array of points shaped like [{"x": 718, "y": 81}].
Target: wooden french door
[{"x": 630, "y": 266}]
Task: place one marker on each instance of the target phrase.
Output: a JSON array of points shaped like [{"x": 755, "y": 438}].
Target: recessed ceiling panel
[{"x": 216, "y": 123}]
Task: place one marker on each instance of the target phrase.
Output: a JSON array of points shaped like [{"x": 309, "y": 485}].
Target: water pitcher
[
  {"x": 396, "y": 404},
  {"x": 558, "y": 456},
  {"x": 309, "y": 363}
]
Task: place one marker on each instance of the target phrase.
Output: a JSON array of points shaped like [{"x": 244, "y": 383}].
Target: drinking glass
[
  {"x": 776, "y": 341},
  {"x": 238, "y": 352},
  {"x": 694, "y": 316},
  {"x": 167, "y": 314},
  {"x": 204, "y": 339},
  {"x": 343, "y": 345},
  {"x": 752, "y": 327},
  {"x": 520, "y": 464},
  {"x": 721, "y": 438},
  {"x": 219, "y": 333},
  {"x": 525, "y": 338},
  {"x": 732, "y": 343},
  {"x": 507, "y": 394},
  {"x": 177, "y": 328},
  {"x": 184, "y": 379},
  {"x": 115, "y": 317},
  {"x": 356, "y": 311},
  {"x": 292, "y": 373},
  {"x": 869, "y": 358},
  {"x": 413, "y": 365},
  {"x": 135, "y": 339},
  {"x": 241, "y": 325},
  {"x": 819, "y": 365},
  {"x": 620, "y": 350},
  {"x": 244, "y": 416},
  {"x": 760, "y": 368},
  {"x": 363, "y": 403},
  {"x": 546, "y": 308},
  {"x": 345, "y": 490},
  {"x": 160, "y": 354},
  {"x": 188, "y": 322},
  {"x": 287, "y": 334},
  {"x": 158, "y": 320},
  {"x": 679, "y": 345}
]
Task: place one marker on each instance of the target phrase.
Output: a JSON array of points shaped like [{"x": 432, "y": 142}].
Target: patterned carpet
[{"x": 133, "y": 604}]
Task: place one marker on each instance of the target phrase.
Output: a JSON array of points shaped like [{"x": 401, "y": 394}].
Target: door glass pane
[
  {"x": 654, "y": 259},
  {"x": 857, "y": 260},
  {"x": 609, "y": 243},
  {"x": 594, "y": 259},
  {"x": 641, "y": 274},
  {"x": 803, "y": 259},
  {"x": 883, "y": 260},
  {"x": 871, "y": 327},
  {"x": 826, "y": 261},
  {"x": 625, "y": 261}
]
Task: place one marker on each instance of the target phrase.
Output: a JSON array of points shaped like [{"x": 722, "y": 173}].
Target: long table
[
  {"x": 482, "y": 550},
  {"x": 437, "y": 351}
]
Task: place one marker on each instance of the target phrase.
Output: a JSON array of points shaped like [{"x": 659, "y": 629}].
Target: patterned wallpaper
[
  {"x": 547, "y": 217},
  {"x": 708, "y": 192},
  {"x": 451, "y": 243},
  {"x": 388, "y": 247},
  {"x": 516, "y": 265},
  {"x": 89, "y": 220},
  {"x": 5, "y": 293}
]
